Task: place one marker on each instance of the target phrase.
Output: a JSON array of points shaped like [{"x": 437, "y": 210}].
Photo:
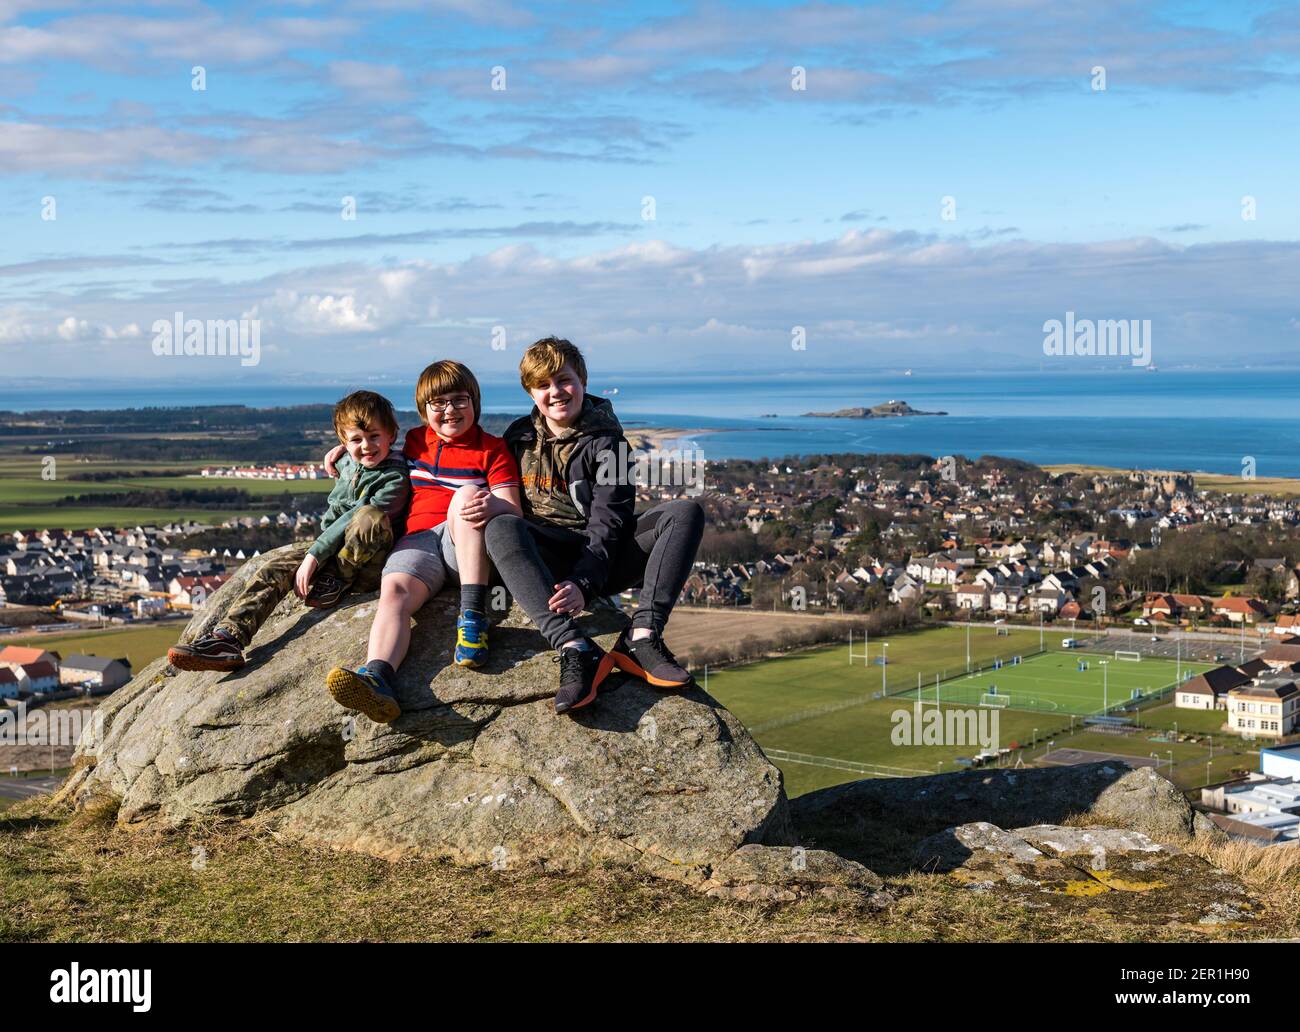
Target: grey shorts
[{"x": 427, "y": 555}]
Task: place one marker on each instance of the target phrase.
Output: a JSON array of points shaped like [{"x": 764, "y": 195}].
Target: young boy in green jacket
[{"x": 364, "y": 515}]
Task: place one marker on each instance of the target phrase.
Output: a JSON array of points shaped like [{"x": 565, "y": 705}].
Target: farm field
[
  {"x": 141, "y": 645},
  {"x": 27, "y": 500}
]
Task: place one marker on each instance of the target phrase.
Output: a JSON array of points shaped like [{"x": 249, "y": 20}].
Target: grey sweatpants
[{"x": 532, "y": 558}]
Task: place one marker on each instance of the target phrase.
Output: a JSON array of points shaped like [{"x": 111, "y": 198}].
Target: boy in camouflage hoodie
[{"x": 363, "y": 516}]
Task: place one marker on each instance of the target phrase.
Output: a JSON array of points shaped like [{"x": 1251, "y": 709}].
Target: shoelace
[
  {"x": 568, "y": 658},
  {"x": 656, "y": 645}
]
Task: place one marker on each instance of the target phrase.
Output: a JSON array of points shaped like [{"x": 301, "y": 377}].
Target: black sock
[
  {"x": 473, "y": 597},
  {"x": 381, "y": 669}
]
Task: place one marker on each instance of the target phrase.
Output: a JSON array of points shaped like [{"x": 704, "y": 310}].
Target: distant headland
[{"x": 888, "y": 410}]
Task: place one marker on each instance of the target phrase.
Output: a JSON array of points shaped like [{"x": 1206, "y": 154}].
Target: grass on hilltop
[{"x": 82, "y": 879}]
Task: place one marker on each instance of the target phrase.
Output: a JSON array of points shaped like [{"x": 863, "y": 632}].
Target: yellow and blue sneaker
[
  {"x": 471, "y": 639},
  {"x": 365, "y": 692}
]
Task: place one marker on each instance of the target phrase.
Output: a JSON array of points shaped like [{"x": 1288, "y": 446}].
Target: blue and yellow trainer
[
  {"x": 471, "y": 639},
  {"x": 365, "y": 692}
]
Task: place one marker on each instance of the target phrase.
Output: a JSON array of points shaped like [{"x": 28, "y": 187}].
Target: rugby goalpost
[
  {"x": 866, "y": 648},
  {"x": 1128, "y": 657}
]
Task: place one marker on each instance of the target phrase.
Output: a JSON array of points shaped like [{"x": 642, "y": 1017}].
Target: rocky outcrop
[
  {"x": 782, "y": 874},
  {"x": 478, "y": 769},
  {"x": 1122, "y": 873},
  {"x": 879, "y": 822}
]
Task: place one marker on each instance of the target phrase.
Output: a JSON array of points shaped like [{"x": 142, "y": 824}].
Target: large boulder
[{"x": 478, "y": 769}]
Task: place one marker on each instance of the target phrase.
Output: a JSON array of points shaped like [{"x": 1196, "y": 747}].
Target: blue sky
[{"x": 522, "y": 207}]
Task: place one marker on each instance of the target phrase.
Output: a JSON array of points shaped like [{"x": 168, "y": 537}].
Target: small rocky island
[{"x": 888, "y": 410}]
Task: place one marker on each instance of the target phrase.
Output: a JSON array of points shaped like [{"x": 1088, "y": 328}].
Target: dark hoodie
[{"x": 561, "y": 487}]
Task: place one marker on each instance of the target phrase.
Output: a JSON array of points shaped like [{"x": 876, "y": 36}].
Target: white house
[
  {"x": 1047, "y": 600},
  {"x": 1007, "y": 600},
  {"x": 972, "y": 596}
]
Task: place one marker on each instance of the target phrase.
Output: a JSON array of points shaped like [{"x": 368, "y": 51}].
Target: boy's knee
[
  {"x": 368, "y": 517},
  {"x": 460, "y": 496},
  {"x": 399, "y": 592},
  {"x": 503, "y": 528},
  {"x": 688, "y": 511}
]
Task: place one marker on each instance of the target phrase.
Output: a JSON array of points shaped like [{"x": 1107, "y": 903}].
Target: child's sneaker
[
  {"x": 649, "y": 658},
  {"x": 215, "y": 651},
  {"x": 365, "y": 692},
  {"x": 471, "y": 639},
  {"x": 325, "y": 592},
  {"x": 582, "y": 670}
]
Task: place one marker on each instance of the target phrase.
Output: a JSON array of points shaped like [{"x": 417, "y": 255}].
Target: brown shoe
[
  {"x": 326, "y": 590},
  {"x": 210, "y": 652}
]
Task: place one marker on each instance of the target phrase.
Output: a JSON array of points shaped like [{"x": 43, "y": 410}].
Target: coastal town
[{"x": 904, "y": 541}]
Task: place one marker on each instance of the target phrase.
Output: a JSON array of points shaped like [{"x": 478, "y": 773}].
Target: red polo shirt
[{"x": 439, "y": 467}]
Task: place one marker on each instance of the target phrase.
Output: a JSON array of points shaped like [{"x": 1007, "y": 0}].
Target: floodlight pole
[
  {"x": 1104, "y": 695},
  {"x": 884, "y": 655}
]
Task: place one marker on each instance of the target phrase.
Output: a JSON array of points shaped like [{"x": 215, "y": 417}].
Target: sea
[{"x": 1213, "y": 421}]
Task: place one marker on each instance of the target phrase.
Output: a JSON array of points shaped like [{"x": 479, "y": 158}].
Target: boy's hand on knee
[
  {"x": 567, "y": 599},
  {"x": 479, "y": 509},
  {"x": 303, "y": 578}
]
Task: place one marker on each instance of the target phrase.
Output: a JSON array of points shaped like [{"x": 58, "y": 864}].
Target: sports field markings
[{"x": 877, "y": 769}]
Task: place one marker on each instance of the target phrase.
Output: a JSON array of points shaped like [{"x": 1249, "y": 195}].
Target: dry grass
[
  {"x": 1272, "y": 871},
  {"x": 83, "y": 879}
]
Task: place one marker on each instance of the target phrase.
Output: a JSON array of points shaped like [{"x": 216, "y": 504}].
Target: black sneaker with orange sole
[
  {"x": 210, "y": 652},
  {"x": 651, "y": 660},
  {"x": 581, "y": 674}
]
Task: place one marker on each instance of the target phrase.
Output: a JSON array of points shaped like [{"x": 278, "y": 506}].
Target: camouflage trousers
[{"x": 358, "y": 563}]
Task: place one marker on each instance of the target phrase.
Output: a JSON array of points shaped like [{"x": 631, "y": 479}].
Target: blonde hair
[
  {"x": 443, "y": 378},
  {"x": 365, "y": 410},
  {"x": 546, "y": 358}
]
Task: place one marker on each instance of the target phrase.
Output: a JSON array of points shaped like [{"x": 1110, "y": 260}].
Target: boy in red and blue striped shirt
[{"x": 461, "y": 477}]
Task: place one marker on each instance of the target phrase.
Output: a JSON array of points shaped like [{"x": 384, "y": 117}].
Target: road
[{"x": 25, "y": 788}]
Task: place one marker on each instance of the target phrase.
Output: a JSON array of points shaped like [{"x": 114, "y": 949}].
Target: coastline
[{"x": 1224, "y": 483}]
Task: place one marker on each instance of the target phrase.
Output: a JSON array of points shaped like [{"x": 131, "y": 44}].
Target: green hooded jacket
[{"x": 387, "y": 486}]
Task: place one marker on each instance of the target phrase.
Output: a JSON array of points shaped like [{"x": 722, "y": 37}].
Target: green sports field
[{"x": 1052, "y": 683}]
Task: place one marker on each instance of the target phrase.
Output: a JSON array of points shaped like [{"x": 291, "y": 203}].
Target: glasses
[{"x": 459, "y": 403}]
